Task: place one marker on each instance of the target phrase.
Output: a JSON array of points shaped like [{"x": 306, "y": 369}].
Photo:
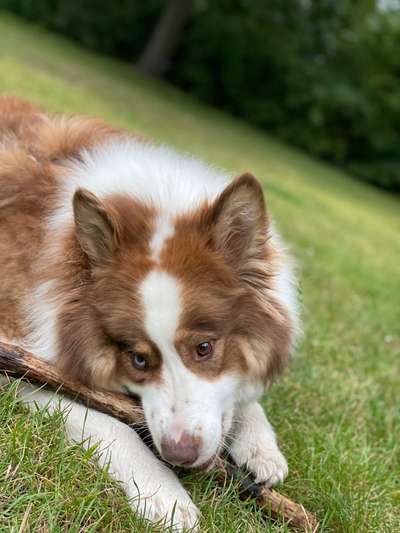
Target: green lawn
[{"x": 337, "y": 409}]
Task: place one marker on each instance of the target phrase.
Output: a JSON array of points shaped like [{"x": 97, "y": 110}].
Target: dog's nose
[{"x": 183, "y": 452}]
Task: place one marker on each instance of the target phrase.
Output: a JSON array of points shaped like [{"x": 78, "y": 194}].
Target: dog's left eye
[
  {"x": 204, "y": 350},
  {"x": 139, "y": 361}
]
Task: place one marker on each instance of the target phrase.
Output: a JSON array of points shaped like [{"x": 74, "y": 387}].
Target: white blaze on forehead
[
  {"x": 164, "y": 230},
  {"x": 162, "y": 305}
]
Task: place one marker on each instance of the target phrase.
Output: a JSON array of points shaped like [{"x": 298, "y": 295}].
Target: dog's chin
[{"x": 207, "y": 465}]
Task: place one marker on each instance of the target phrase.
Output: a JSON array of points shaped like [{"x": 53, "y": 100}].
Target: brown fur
[
  {"x": 101, "y": 308},
  {"x": 33, "y": 148}
]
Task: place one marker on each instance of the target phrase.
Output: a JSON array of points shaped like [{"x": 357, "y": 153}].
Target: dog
[{"x": 139, "y": 270}]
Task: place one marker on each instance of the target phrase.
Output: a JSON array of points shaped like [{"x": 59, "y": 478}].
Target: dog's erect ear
[
  {"x": 96, "y": 229},
  {"x": 240, "y": 221}
]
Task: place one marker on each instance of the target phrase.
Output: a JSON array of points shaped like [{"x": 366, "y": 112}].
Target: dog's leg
[
  {"x": 254, "y": 445},
  {"x": 154, "y": 490}
]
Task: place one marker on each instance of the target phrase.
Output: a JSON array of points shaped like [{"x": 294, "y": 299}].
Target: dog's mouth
[{"x": 149, "y": 439}]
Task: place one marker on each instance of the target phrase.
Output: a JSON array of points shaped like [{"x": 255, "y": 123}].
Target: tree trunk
[{"x": 157, "y": 56}]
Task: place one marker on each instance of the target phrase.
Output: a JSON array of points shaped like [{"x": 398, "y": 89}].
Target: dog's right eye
[{"x": 139, "y": 361}]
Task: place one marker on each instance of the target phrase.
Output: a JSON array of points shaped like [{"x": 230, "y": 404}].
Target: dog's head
[{"x": 192, "y": 313}]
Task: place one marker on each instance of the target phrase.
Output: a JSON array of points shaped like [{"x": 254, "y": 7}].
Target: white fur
[
  {"x": 285, "y": 288},
  {"x": 43, "y": 308},
  {"x": 156, "y": 175},
  {"x": 254, "y": 445},
  {"x": 162, "y": 307},
  {"x": 164, "y": 230},
  {"x": 183, "y": 402}
]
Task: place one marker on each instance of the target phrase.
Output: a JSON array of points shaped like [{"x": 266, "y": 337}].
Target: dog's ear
[
  {"x": 96, "y": 228},
  {"x": 240, "y": 221}
]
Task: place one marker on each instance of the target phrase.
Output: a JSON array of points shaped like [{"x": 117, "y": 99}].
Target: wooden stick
[
  {"x": 278, "y": 506},
  {"x": 21, "y": 364}
]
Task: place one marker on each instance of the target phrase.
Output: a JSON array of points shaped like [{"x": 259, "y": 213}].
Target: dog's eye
[
  {"x": 204, "y": 350},
  {"x": 139, "y": 361}
]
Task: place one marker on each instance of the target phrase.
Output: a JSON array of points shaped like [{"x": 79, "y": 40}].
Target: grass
[{"x": 336, "y": 410}]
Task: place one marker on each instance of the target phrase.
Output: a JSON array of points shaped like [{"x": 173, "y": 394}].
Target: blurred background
[{"x": 321, "y": 74}]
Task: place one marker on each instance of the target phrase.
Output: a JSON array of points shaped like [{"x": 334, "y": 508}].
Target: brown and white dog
[{"x": 137, "y": 269}]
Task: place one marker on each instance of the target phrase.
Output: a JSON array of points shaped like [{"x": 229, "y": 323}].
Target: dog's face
[{"x": 183, "y": 312}]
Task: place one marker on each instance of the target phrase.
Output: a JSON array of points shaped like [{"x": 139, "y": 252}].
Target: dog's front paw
[
  {"x": 164, "y": 500},
  {"x": 261, "y": 458},
  {"x": 266, "y": 464}
]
